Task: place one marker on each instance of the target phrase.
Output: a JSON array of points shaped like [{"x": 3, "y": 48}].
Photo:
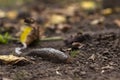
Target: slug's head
[{"x": 18, "y": 49}]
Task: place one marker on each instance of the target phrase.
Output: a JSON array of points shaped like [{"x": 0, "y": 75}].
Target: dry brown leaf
[
  {"x": 2, "y": 14},
  {"x": 12, "y": 14},
  {"x": 97, "y": 21},
  {"x": 107, "y": 11},
  {"x": 11, "y": 59},
  {"x": 117, "y": 9},
  {"x": 117, "y": 21},
  {"x": 29, "y": 34},
  {"x": 57, "y": 19},
  {"x": 69, "y": 10}
]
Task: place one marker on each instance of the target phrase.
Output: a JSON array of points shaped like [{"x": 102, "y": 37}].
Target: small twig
[
  {"x": 43, "y": 39},
  {"x": 52, "y": 39},
  {"x": 14, "y": 39}
]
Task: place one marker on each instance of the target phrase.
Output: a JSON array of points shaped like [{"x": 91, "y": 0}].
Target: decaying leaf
[
  {"x": 25, "y": 33},
  {"x": 69, "y": 10},
  {"x": 117, "y": 21},
  {"x": 57, "y": 19},
  {"x": 88, "y": 5},
  {"x": 11, "y": 59},
  {"x": 2, "y": 14},
  {"x": 107, "y": 11},
  {"x": 28, "y": 35},
  {"x": 117, "y": 9},
  {"x": 98, "y": 21},
  {"x": 12, "y": 14}
]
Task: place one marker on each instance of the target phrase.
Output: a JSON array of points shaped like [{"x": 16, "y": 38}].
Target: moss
[{"x": 74, "y": 53}]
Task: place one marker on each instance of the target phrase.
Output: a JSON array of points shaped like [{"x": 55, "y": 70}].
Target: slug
[{"x": 51, "y": 54}]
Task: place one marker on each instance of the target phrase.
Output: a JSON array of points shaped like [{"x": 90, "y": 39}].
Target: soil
[{"x": 98, "y": 58}]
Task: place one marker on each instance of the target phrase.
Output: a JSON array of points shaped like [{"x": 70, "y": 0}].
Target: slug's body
[{"x": 50, "y": 53}]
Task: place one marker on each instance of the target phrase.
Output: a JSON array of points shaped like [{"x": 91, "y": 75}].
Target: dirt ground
[{"x": 98, "y": 58}]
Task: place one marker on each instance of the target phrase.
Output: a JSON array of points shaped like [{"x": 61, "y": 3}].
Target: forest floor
[{"x": 98, "y": 58}]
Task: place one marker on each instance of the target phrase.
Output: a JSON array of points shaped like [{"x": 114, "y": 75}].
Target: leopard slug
[{"x": 51, "y": 54}]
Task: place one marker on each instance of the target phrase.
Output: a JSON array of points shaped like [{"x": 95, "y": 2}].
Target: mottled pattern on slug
[{"x": 49, "y": 53}]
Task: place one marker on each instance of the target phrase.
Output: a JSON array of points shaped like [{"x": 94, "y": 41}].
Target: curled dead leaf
[
  {"x": 11, "y": 59},
  {"x": 28, "y": 35}
]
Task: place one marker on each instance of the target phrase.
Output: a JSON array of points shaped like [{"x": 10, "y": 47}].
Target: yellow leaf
[
  {"x": 107, "y": 11},
  {"x": 57, "y": 19},
  {"x": 12, "y": 14},
  {"x": 24, "y": 34},
  {"x": 88, "y": 5},
  {"x": 10, "y": 59}
]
